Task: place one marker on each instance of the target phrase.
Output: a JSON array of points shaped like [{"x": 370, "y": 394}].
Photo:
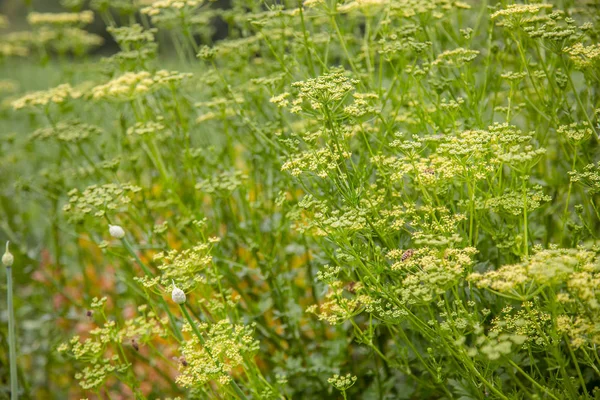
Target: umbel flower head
[
  {"x": 116, "y": 231},
  {"x": 178, "y": 295},
  {"x": 7, "y": 258}
]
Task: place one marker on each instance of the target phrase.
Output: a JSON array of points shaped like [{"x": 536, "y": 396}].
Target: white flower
[
  {"x": 116, "y": 231},
  {"x": 178, "y": 295},
  {"x": 7, "y": 258}
]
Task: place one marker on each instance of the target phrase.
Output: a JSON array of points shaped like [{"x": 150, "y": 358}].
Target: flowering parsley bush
[{"x": 378, "y": 199}]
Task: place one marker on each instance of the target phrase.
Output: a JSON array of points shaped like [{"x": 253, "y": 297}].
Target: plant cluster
[{"x": 378, "y": 199}]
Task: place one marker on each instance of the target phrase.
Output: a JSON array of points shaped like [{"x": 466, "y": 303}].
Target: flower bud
[
  {"x": 116, "y": 231},
  {"x": 7, "y": 258},
  {"x": 178, "y": 295}
]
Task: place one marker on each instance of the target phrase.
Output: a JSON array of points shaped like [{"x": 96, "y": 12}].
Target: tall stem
[
  {"x": 525, "y": 227},
  {"x": 12, "y": 345}
]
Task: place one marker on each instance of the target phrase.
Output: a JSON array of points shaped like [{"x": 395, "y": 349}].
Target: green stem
[
  {"x": 12, "y": 344},
  {"x": 525, "y": 228},
  {"x": 565, "y": 212},
  {"x": 530, "y": 379}
]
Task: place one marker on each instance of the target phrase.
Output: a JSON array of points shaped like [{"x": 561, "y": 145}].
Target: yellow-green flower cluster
[
  {"x": 327, "y": 91},
  {"x": 366, "y": 6},
  {"x": 324, "y": 221},
  {"x": 185, "y": 268},
  {"x": 342, "y": 383},
  {"x": 552, "y": 267},
  {"x": 67, "y": 131},
  {"x": 223, "y": 183},
  {"x": 57, "y": 95},
  {"x": 100, "y": 351},
  {"x": 495, "y": 345},
  {"x": 430, "y": 272},
  {"x": 529, "y": 322},
  {"x": 576, "y": 132},
  {"x": 362, "y": 105},
  {"x": 232, "y": 47},
  {"x": 97, "y": 200},
  {"x": 590, "y": 177},
  {"x": 455, "y": 58},
  {"x": 132, "y": 35},
  {"x": 224, "y": 347},
  {"x": 155, "y": 129},
  {"x": 144, "y": 328},
  {"x": 159, "y": 6},
  {"x": 322, "y": 162},
  {"x": 59, "y": 40},
  {"x": 8, "y": 49},
  {"x": 513, "y": 76},
  {"x": 134, "y": 84},
  {"x": 60, "y": 19},
  {"x": 172, "y": 13},
  {"x": 514, "y": 202},
  {"x": 515, "y": 13},
  {"x": 338, "y": 306},
  {"x": 584, "y": 56},
  {"x": 581, "y": 329},
  {"x": 123, "y": 7},
  {"x": 313, "y": 3},
  {"x": 466, "y": 155}
]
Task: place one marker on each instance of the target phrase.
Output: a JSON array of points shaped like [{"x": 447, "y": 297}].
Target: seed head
[
  {"x": 7, "y": 258},
  {"x": 116, "y": 231}
]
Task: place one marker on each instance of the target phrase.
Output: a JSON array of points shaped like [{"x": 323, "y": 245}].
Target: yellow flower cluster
[
  {"x": 584, "y": 56},
  {"x": 158, "y": 6},
  {"x": 363, "y": 5},
  {"x": 527, "y": 322},
  {"x": 60, "y": 19},
  {"x": 313, "y": 3},
  {"x": 572, "y": 277},
  {"x": 429, "y": 272},
  {"x": 547, "y": 267},
  {"x": 97, "y": 199},
  {"x": 581, "y": 329},
  {"x": 321, "y": 162},
  {"x": 133, "y": 84},
  {"x": 223, "y": 183},
  {"x": 338, "y": 307},
  {"x": 457, "y": 57},
  {"x": 342, "y": 383},
  {"x": 185, "y": 268},
  {"x": 8, "y": 49},
  {"x": 224, "y": 347},
  {"x": 520, "y": 9},
  {"x": 57, "y": 95},
  {"x": 99, "y": 350}
]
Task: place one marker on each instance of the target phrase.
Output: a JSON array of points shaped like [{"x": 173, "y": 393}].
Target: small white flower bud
[
  {"x": 116, "y": 231},
  {"x": 7, "y": 258},
  {"x": 178, "y": 295}
]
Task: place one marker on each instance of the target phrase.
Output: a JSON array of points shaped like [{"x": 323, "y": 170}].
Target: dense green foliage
[{"x": 370, "y": 199}]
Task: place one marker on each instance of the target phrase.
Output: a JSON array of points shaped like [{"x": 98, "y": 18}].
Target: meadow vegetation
[{"x": 341, "y": 199}]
